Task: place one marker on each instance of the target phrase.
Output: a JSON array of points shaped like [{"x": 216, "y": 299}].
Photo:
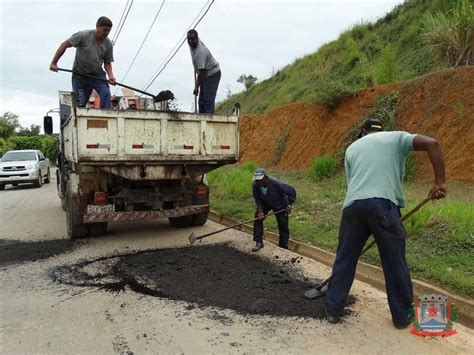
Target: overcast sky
[{"x": 246, "y": 37}]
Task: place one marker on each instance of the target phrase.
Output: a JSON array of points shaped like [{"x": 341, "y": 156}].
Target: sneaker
[
  {"x": 258, "y": 246},
  {"x": 331, "y": 318}
]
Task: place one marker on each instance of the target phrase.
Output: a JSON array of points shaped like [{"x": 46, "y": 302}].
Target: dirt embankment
[{"x": 440, "y": 105}]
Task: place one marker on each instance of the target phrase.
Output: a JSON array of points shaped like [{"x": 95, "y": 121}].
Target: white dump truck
[{"x": 138, "y": 163}]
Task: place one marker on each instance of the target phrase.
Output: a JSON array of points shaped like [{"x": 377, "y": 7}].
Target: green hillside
[{"x": 401, "y": 45}]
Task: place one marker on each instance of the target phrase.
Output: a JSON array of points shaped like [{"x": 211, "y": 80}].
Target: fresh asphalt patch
[
  {"x": 15, "y": 251},
  {"x": 204, "y": 276}
]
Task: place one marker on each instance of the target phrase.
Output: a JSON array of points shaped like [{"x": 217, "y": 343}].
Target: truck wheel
[
  {"x": 200, "y": 219},
  {"x": 75, "y": 227},
  {"x": 64, "y": 204},
  {"x": 48, "y": 177},
  {"x": 2, "y": 187},
  {"x": 39, "y": 181},
  {"x": 181, "y": 222},
  {"x": 96, "y": 229}
]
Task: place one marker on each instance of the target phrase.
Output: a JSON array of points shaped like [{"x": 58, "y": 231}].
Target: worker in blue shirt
[{"x": 271, "y": 194}]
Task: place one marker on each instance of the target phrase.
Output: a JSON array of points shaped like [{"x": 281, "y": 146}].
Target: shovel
[
  {"x": 193, "y": 238},
  {"x": 162, "y": 96},
  {"x": 321, "y": 290}
]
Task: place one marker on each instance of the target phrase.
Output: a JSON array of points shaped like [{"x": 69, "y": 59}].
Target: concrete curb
[{"x": 367, "y": 273}]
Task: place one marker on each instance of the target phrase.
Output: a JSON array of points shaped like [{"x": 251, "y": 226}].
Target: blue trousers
[
  {"x": 83, "y": 86},
  {"x": 283, "y": 228},
  {"x": 207, "y": 93},
  {"x": 381, "y": 218}
]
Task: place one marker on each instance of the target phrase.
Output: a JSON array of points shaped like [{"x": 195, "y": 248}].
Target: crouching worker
[
  {"x": 374, "y": 170},
  {"x": 271, "y": 194}
]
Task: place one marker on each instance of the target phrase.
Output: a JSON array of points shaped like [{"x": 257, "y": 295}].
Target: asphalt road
[{"x": 38, "y": 314}]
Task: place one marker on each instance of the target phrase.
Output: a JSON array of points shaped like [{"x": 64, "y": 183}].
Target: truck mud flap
[{"x": 142, "y": 215}]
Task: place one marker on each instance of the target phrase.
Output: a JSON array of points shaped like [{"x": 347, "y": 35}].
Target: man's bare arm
[
  {"x": 432, "y": 147},
  {"x": 59, "y": 53}
]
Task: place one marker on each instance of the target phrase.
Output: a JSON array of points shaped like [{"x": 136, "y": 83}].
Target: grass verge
[{"x": 441, "y": 234}]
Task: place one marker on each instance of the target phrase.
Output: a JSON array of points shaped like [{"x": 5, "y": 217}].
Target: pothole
[{"x": 207, "y": 276}]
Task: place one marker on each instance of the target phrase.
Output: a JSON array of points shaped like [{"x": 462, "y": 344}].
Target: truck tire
[
  {"x": 181, "y": 222},
  {"x": 2, "y": 187},
  {"x": 75, "y": 227},
  {"x": 96, "y": 229},
  {"x": 39, "y": 181},
  {"x": 200, "y": 219},
  {"x": 48, "y": 177},
  {"x": 64, "y": 204}
]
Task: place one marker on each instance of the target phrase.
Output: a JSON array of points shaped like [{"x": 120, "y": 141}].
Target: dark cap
[
  {"x": 371, "y": 125},
  {"x": 259, "y": 174}
]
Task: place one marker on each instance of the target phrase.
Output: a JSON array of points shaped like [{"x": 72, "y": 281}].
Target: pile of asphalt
[
  {"x": 204, "y": 276},
  {"x": 15, "y": 251}
]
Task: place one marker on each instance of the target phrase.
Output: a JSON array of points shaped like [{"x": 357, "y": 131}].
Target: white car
[{"x": 24, "y": 166}]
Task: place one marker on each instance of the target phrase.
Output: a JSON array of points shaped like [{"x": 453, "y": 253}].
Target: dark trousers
[
  {"x": 381, "y": 218},
  {"x": 208, "y": 92},
  {"x": 283, "y": 229},
  {"x": 83, "y": 86}
]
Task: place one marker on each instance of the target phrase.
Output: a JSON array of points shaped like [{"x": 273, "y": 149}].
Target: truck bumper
[{"x": 143, "y": 215}]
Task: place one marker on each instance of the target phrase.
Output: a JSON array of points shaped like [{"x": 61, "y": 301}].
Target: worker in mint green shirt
[{"x": 375, "y": 165}]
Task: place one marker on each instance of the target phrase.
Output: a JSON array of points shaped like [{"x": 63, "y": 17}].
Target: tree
[
  {"x": 34, "y": 130},
  {"x": 8, "y": 124},
  {"x": 247, "y": 80}
]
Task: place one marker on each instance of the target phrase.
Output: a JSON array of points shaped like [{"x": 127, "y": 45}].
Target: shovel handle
[
  {"x": 102, "y": 79},
  {"x": 371, "y": 244},
  {"x": 238, "y": 224}
]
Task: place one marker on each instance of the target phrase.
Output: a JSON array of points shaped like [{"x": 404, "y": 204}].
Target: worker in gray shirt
[
  {"x": 207, "y": 71},
  {"x": 93, "y": 49}
]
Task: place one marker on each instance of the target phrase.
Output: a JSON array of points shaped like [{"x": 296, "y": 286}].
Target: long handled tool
[
  {"x": 192, "y": 238},
  {"x": 320, "y": 290},
  {"x": 162, "y": 96}
]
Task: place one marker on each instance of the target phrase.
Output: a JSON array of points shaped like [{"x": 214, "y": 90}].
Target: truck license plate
[{"x": 94, "y": 209}]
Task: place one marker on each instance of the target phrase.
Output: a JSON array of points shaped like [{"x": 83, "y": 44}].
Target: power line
[
  {"x": 143, "y": 42},
  {"x": 120, "y": 22},
  {"x": 166, "y": 61},
  {"x": 123, "y": 22}
]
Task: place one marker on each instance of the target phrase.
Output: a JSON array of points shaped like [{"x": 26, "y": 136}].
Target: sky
[{"x": 255, "y": 37}]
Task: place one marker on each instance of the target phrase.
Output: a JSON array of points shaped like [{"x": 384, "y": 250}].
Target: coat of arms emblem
[{"x": 433, "y": 315}]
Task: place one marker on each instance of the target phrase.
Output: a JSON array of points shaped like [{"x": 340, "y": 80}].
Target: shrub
[
  {"x": 331, "y": 92},
  {"x": 385, "y": 68},
  {"x": 249, "y": 166},
  {"x": 322, "y": 167},
  {"x": 450, "y": 36}
]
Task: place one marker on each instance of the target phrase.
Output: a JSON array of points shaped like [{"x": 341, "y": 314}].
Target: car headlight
[{"x": 30, "y": 167}]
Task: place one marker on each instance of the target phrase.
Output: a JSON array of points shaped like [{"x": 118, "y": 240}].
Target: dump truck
[{"x": 137, "y": 161}]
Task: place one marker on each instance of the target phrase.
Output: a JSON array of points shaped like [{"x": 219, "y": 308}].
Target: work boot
[{"x": 258, "y": 246}]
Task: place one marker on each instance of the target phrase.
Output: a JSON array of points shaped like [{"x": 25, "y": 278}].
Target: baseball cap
[
  {"x": 371, "y": 125},
  {"x": 259, "y": 174}
]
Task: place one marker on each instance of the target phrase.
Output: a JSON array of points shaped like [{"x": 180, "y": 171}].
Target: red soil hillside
[{"x": 440, "y": 105}]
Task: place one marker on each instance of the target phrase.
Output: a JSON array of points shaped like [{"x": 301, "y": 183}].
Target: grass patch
[
  {"x": 322, "y": 168},
  {"x": 441, "y": 234}
]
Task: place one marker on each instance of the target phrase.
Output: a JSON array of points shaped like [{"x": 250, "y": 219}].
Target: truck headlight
[{"x": 30, "y": 167}]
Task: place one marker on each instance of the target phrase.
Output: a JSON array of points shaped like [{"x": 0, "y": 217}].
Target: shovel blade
[
  {"x": 316, "y": 292},
  {"x": 192, "y": 238}
]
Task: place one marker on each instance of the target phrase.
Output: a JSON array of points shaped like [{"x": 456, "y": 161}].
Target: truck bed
[{"x": 152, "y": 136}]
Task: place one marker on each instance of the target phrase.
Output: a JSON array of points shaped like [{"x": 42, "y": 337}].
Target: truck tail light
[
  {"x": 137, "y": 146},
  {"x": 100, "y": 198},
  {"x": 224, "y": 146},
  {"x": 92, "y": 146},
  {"x": 187, "y": 146},
  {"x": 202, "y": 191}
]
